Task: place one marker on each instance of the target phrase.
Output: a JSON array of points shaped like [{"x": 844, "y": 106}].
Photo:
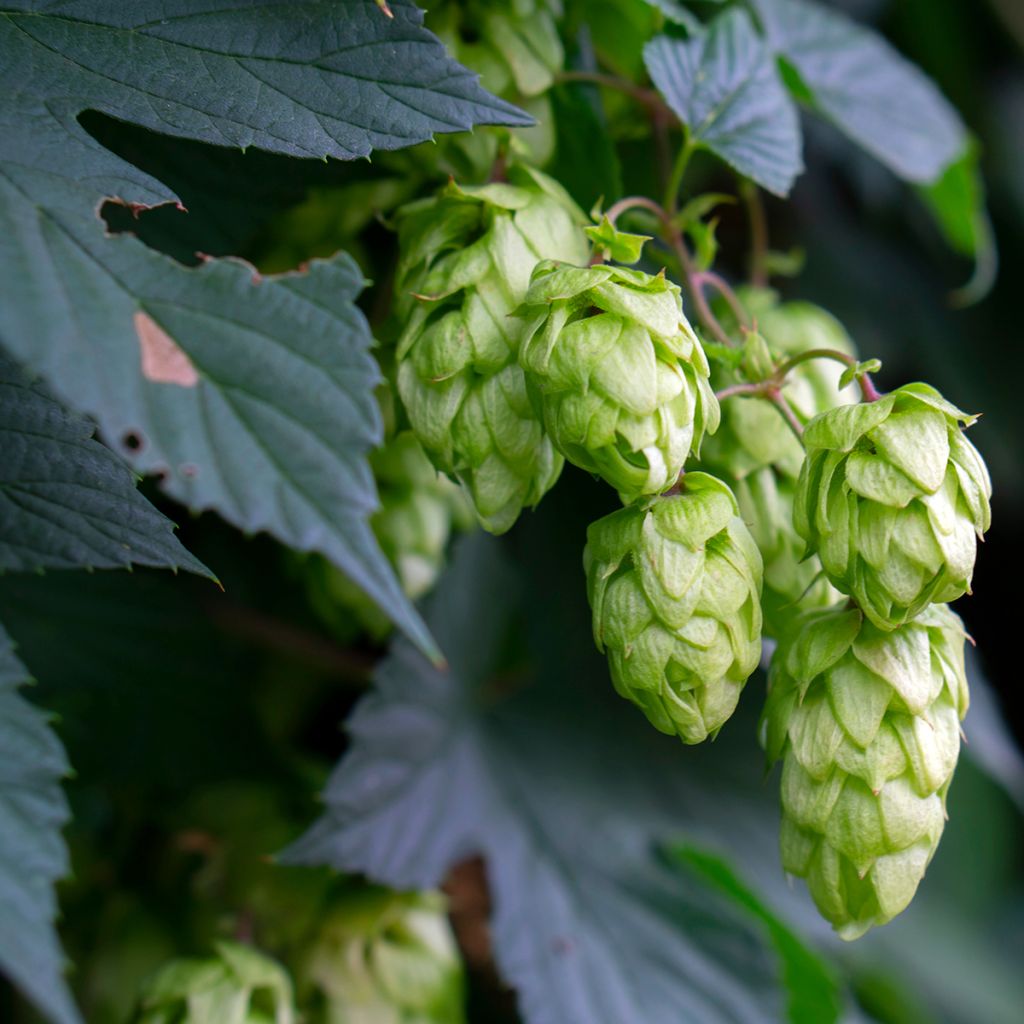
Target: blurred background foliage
[{"x": 195, "y": 766}]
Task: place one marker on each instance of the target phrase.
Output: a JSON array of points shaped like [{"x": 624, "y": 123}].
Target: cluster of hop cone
[{"x": 843, "y": 546}]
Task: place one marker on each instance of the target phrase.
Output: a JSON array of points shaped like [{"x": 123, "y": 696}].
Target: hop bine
[
  {"x": 892, "y": 498},
  {"x": 674, "y": 587},
  {"x": 867, "y": 724},
  {"x": 618, "y": 372},
  {"x": 466, "y": 258}
]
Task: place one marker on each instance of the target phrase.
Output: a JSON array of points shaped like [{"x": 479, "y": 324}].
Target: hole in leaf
[{"x": 133, "y": 441}]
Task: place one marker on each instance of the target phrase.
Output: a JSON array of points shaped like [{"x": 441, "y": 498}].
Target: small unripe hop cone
[
  {"x": 867, "y": 723},
  {"x": 675, "y": 592},
  {"x": 466, "y": 258},
  {"x": 620, "y": 376},
  {"x": 892, "y": 498}
]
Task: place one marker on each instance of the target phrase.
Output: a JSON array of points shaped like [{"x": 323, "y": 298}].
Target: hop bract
[
  {"x": 466, "y": 259},
  {"x": 387, "y": 956},
  {"x": 867, "y": 723},
  {"x": 622, "y": 378},
  {"x": 674, "y": 588},
  {"x": 892, "y": 498}
]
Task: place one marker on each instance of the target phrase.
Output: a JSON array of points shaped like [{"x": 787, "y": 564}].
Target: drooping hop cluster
[
  {"x": 620, "y": 376},
  {"x": 466, "y": 259},
  {"x": 867, "y": 724},
  {"x": 755, "y": 450},
  {"x": 893, "y": 498},
  {"x": 387, "y": 956},
  {"x": 675, "y": 590}
]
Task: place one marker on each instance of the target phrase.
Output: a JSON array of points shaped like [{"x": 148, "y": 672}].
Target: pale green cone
[
  {"x": 386, "y": 957},
  {"x": 674, "y": 587},
  {"x": 619, "y": 373},
  {"x": 892, "y": 498},
  {"x": 466, "y": 259},
  {"x": 757, "y": 452},
  {"x": 867, "y": 723},
  {"x": 222, "y": 989}
]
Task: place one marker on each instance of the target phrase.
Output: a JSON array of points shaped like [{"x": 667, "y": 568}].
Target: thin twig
[
  {"x": 702, "y": 277},
  {"x": 758, "y": 389},
  {"x": 778, "y": 399},
  {"x": 647, "y": 97}
]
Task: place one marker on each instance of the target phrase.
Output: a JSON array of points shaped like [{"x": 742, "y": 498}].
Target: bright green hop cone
[
  {"x": 893, "y": 498},
  {"x": 757, "y": 452},
  {"x": 386, "y": 957},
  {"x": 674, "y": 587},
  {"x": 620, "y": 375},
  {"x": 466, "y": 259},
  {"x": 867, "y": 723},
  {"x": 237, "y": 986}
]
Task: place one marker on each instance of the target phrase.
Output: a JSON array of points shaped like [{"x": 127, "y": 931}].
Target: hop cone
[
  {"x": 387, "y": 957},
  {"x": 466, "y": 258},
  {"x": 674, "y": 588},
  {"x": 219, "y": 990},
  {"x": 622, "y": 378},
  {"x": 892, "y": 498},
  {"x": 760, "y": 456},
  {"x": 867, "y": 723}
]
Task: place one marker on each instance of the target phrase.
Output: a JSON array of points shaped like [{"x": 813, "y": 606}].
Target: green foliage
[
  {"x": 381, "y": 351},
  {"x": 32, "y": 853},
  {"x": 724, "y": 87}
]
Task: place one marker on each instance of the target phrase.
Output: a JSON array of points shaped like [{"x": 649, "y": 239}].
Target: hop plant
[
  {"x": 239, "y": 985},
  {"x": 867, "y": 724},
  {"x": 621, "y": 378},
  {"x": 386, "y": 957},
  {"x": 466, "y": 259},
  {"x": 674, "y": 587},
  {"x": 892, "y": 498}
]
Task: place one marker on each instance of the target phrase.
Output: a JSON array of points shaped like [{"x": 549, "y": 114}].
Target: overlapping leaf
[
  {"x": 32, "y": 852},
  {"x": 566, "y": 796},
  {"x": 66, "y": 501},
  {"x": 724, "y": 86},
  {"x": 852, "y": 76},
  {"x": 253, "y": 399}
]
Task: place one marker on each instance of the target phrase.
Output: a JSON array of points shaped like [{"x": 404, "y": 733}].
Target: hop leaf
[
  {"x": 867, "y": 725},
  {"x": 893, "y": 497},
  {"x": 466, "y": 258},
  {"x": 675, "y": 589},
  {"x": 387, "y": 956},
  {"x": 620, "y": 375}
]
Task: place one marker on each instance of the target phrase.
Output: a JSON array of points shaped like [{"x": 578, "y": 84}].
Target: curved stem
[
  {"x": 675, "y": 181},
  {"x": 778, "y": 399},
  {"x": 722, "y": 287},
  {"x": 757, "y": 389},
  {"x": 867, "y": 387}
]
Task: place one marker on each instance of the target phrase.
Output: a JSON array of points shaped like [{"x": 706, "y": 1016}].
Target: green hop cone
[
  {"x": 466, "y": 259},
  {"x": 674, "y": 587},
  {"x": 892, "y": 498},
  {"x": 755, "y": 450},
  {"x": 622, "y": 379},
  {"x": 867, "y": 723},
  {"x": 386, "y": 957},
  {"x": 237, "y": 986}
]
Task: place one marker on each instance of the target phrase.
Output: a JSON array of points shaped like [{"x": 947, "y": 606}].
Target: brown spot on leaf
[{"x": 162, "y": 360}]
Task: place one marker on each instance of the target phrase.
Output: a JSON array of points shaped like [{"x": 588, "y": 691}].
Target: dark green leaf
[
  {"x": 852, "y": 76},
  {"x": 253, "y": 399},
  {"x": 566, "y": 794},
  {"x": 32, "y": 852},
  {"x": 66, "y": 501},
  {"x": 724, "y": 86},
  {"x": 813, "y": 988}
]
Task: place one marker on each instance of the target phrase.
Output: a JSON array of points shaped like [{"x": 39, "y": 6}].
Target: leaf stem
[
  {"x": 867, "y": 387},
  {"x": 675, "y": 181},
  {"x": 758, "y": 233}
]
